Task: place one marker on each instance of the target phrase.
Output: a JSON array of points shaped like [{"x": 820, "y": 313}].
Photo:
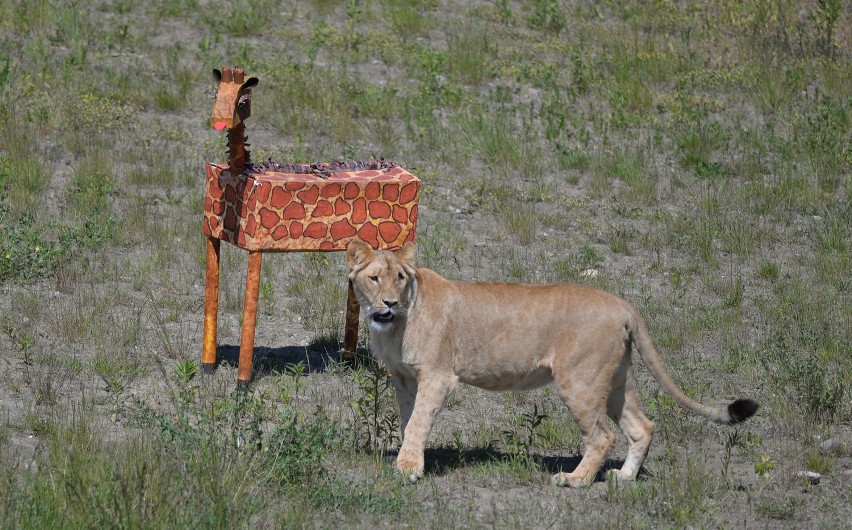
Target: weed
[
  {"x": 185, "y": 371},
  {"x": 23, "y": 173},
  {"x": 780, "y": 510},
  {"x": 697, "y": 142},
  {"x": 547, "y": 16},
  {"x": 409, "y": 17},
  {"x": 733, "y": 297},
  {"x": 25, "y": 249},
  {"x": 470, "y": 51},
  {"x": 764, "y": 465},
  {"x": 524, "y": 436},
  {"x": 523, "y": 222},
  {"x": 378, "y": 421},
  {"x": 768, "y": 271},
  {"x": 828, "y": 11},
  {"x": 732, "y": 439},
  {"x": 631, "y": 168},
  {"x": 821, "y": 390},
  {"x": 91, "y": 185},
  {"x": 588, "y": 257},
  {"x": 267, "y": 294},
  {"x": 818, "y": 462}
]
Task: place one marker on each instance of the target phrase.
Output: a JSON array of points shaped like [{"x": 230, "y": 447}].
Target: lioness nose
[{"x": 390, "y": 303}]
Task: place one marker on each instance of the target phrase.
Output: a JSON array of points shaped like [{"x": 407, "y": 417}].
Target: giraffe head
[{"x": 233, "y": 98}]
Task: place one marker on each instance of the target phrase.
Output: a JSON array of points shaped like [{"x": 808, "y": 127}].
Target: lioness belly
[{"x": 501, "y": 380}]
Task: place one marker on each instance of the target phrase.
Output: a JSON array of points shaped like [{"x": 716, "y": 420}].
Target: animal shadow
[
  {"x": 441, "y": 460},
  {"x": 316, "y": 357}
]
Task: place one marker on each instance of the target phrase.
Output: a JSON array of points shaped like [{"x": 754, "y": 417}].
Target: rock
[
  {"x": 590, "y": 273},
  {"x": 831, "y": 446},
  {"x": 810, "y": 476}
]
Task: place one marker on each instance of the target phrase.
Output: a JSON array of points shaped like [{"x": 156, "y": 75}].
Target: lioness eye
[
  {"x": 401, "y": 277},
  {"x": 375, "y": 278}
]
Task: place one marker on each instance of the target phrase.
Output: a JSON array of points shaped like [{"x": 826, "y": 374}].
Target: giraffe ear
[
  {"x": 250, "y": 82},
  {"x": 217, "y": 75}
]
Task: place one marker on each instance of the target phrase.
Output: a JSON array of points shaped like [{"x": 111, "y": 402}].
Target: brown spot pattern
[{"x": 295, "y": 212}]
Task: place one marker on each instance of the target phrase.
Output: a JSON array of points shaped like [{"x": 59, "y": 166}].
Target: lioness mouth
[{"x": 382, "y": 318}]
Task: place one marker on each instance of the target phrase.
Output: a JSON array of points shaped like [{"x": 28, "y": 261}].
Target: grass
[{"x": 696, "y": 156}]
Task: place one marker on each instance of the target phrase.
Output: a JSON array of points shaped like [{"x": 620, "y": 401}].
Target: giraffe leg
[
  {"x": 211, "y": 306},
  {"x": 350, "y": 337},
  {"x": 249, "y": 319}
]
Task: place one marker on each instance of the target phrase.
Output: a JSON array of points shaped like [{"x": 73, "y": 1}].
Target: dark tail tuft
[{"x": 741, "y": 410}]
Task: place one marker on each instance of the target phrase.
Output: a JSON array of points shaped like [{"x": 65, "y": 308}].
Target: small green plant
[
  {"x": 547, "y": 16},
  {"x": 523, "y": 221},
  {"x": 299, "y": 448},
  {"x": 267, "y": 295},
  {"x": 186, "y": 370},
  {"x": 470, "y": 52},
  {"x": 764, "y": 465},
  {"x": 768, "y": 271},
  {"x": 291, "y": 383},
  {"x": 818, "y": 462},
  {"x": 5, "y": 61},
  {"x": 732, "y": 440},
  {"x": 777, "y": 509},
  {"x": 377, "y": 424},
  {"x": 524, "y": 436},
  {"x": 589, "y": 257},
  {"x": 91, "y": 185},
  {"x": 821, "y": 390},
  {"x": 828, "y": 11},
  {"x": 733, "y": 295},
  {"x": 26, "y": 251}
]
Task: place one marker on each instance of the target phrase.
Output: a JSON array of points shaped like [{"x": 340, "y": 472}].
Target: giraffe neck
[{"x": 238, "y": 155}]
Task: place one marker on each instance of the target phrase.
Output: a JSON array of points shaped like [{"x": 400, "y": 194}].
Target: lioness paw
[
  {"x": 620, "y": 476},
  {"x": 411, "y": 468},
  {"x": 568, "y": 479}
]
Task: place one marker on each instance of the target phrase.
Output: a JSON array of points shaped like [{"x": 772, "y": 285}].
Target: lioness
[{"x": 433, "y": 333}]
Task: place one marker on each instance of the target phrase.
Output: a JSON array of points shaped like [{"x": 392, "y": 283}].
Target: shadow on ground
[
  {"x": 440, "y": 461},
  {"x": 314, "y": 358}
]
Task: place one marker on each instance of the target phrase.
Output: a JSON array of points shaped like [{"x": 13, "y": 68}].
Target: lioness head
[{"x": 383, "y": 281}]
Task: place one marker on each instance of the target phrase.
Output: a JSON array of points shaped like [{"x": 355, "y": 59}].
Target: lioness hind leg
[
  {"x": 623, "y": 407},
  {"x": 598, "y": 438},
  {"x": 597, "y": 442}
]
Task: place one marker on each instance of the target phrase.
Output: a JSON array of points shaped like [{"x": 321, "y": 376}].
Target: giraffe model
[{"x": 270, "y": 207}]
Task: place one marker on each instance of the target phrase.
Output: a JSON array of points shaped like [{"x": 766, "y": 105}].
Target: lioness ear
[
  {"x": 357, "y": 252},
  {"x": 408, "y": 254}
]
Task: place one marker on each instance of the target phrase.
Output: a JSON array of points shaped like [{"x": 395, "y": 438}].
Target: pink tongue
[{"x": 219, "y": 125}]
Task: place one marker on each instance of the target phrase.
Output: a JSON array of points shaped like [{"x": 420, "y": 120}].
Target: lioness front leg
[
  {"x": 431, "y": 393},
  {"x": 406, "y": 390}
]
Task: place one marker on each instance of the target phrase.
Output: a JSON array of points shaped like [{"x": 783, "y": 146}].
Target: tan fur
[{"x": 501, "y": 336}]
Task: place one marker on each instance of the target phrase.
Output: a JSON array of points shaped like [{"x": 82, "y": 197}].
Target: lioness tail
[{"x": 736, "y": 412}]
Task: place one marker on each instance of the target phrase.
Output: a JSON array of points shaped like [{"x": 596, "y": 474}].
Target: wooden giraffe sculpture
[{"x": 271, "y": 207}]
